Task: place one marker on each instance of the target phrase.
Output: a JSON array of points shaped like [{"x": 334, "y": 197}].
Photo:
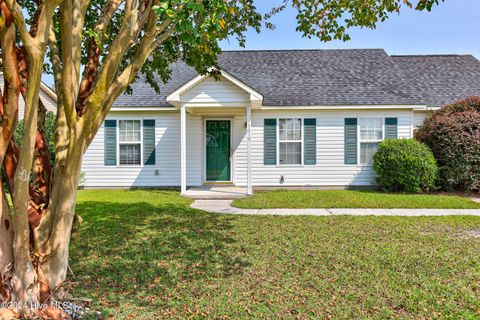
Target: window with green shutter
[
  {"x": 351, "y": 141},
  {"x": 110, "y": 143},
  {"x": 270, "y": 142},
  {"x": 149, "y": 142},
  {"x": 391, "y": 128},
  {"x": 130, "y": 142},
  {"x": 310, "y": 141}
]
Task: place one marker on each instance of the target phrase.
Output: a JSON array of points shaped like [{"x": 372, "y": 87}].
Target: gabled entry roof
[
  {"x": 175, "y": 97},
  {"x": 331, "y": 78}
]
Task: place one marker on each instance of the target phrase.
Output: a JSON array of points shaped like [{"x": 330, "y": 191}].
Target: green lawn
[
  {"x": 147, "y": 255},
  {"x": 351, "y": 199}
]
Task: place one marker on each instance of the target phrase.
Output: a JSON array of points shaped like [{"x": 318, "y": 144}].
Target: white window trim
[
  {"x": 301, "y": 141},
  {"x": 360, "y": 140},
  {"x": 141, "y": 165}
]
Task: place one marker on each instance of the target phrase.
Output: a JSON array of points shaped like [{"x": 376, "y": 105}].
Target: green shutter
[
  {"x": 110, "y": 140},
  {"x": 310, "y": 140},
  {"x": 270, "y": 142},
  {"x": 350, "y": 141},
  {"x": 149, "y": 142},
  {"x": 391, "y": 128}
]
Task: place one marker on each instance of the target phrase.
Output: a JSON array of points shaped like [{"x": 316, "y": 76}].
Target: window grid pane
[
  {"x": 129, "y": 131},
  {"x": 367, "y": 150},
  {"x": 290, "y": 129},
  {"x": 130, "y": 154},
  {"x": 290, "y": 153},
  {"x": 371, "y": 129}
]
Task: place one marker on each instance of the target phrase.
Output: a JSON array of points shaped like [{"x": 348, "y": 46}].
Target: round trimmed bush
[
  {"x": 405, "y": 165},
  {"x": 453, "y": 135}
]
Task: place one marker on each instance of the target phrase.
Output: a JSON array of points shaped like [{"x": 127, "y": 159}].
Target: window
[
  {"x": 130, "y": 142},
  {"x": 290, "y": 141},
  {"x": 371, "y": 134}
]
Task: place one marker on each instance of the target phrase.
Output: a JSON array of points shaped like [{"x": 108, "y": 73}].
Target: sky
[{"x": 453, "y": 27}]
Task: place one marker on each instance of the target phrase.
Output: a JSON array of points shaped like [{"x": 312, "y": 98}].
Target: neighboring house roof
[{"x": 331, "y": 78}]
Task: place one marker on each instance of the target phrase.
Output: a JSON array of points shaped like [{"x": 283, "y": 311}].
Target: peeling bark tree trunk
[
  {"x": 6, "y": 253},
  {"x": 35, "y": 238},
  {"x": 53, "y": 263}
]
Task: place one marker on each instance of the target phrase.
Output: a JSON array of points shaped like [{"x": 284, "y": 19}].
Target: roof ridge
[
  {"x": 287, "y": 50},
  {"x": 431, "y": 55}
]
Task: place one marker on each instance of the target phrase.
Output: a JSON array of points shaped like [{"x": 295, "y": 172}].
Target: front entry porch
[
  {"x": 223, "y": 94},
  {"x": 222, "y": 146}
]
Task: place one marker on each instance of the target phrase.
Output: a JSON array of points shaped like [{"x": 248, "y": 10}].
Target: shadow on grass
[{"x": 146, "y": 249}]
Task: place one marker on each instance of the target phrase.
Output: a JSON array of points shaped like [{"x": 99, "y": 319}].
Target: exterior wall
[
  {"x": 330, "y": 169},
  {"x": 49, "y": 102},
  {"x": 418, "y": 118},
  {"x": 165, "y": 172}
]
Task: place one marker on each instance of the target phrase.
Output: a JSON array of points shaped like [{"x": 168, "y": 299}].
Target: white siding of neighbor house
[
  {"x": 47, "y": 100},
  {"x": 330, "y": 169},
  {"x": 215, "y": 91}
]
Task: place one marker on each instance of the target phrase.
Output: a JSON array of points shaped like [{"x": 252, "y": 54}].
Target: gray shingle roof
[
  {"x": 333, "y": 77},
  {"x": 436, "y": 80}
]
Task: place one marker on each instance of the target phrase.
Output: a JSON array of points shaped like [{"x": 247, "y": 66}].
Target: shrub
[
  {"x": 405, "y": 165},
  {"x": 453, "y": 134}
]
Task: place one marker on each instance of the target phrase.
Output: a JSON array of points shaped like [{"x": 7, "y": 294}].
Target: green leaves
[
  {"x": 405, "y": 165},
  {"x": 427, "y": 4},
  {"x": 199, "y": 27},
  {"x": 330, "y": 19}
]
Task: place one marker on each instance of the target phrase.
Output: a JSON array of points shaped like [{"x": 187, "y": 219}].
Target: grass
[
  {"x": 352, "y": 199},
  {"x": 147, "y": 255}
]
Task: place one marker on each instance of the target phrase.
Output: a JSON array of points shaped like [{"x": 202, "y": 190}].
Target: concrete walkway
[
  {"x": 225, "y": 207},
  {"x": 215, "y": 193}
]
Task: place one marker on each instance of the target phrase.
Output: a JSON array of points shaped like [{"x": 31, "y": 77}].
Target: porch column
[
  {"x": 183, "y": 148},
  {"x": 249, "y": 150}
]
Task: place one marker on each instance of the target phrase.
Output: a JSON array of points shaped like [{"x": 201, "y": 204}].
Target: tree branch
[{"x": 20, "y": 22}]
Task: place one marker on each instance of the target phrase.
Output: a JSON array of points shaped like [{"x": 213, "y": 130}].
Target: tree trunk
[
  {"x": 24, "y": 281},
  {"x": 6, "y": 253},
  {"x": 53, "y": 254}
]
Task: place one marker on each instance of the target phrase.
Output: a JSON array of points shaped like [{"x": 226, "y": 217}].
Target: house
[
  {"x": 47, "y": 95},
  {"x": 274, "y": 118}
]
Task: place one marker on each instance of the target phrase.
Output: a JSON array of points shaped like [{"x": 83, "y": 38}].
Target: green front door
[{"x": 218, "y": 150}]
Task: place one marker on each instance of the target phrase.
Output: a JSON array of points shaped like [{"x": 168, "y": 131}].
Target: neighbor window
[
  {"x": 371, "y": 134},
  {"x": 130, "y": 142},
  {"x": 290, "y": 141}
]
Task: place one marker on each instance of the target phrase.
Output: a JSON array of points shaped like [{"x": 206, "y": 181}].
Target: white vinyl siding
[
  {"x": 418, "y": 118},
  {"x": 48, "y": 101},
  {"x": 329, "y": 170},
  {"x": 165, "y": 172},
  {"x": 214, "y": 92}
]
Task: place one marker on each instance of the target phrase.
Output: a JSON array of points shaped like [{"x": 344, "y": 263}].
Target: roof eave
[{"x": 350, "y": 107}]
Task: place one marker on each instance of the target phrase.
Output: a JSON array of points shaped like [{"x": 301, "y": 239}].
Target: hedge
[{"x": 453, "y": 134}]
